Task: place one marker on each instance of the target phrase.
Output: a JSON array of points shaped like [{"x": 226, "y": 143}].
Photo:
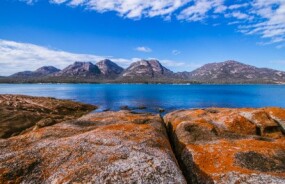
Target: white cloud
[
  {"x": 198, "y": 11},
  {"x": 130, "y": 8},
  {"x": 240, "y": 15},
  {"x": 270, "y": 17},
  {"x": 238, "y": 6},
  {"x": 28, "y": 1},
  {"x": 143, "y": 49},
  {"x": 58, "y": 1},
  {"x": 259, "y": 17},
  {"x": 16, "y": 56},
  {"x": 176, "y": 52}
]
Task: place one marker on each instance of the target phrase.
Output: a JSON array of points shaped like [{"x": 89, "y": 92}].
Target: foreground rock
[
  {"x": 20, "y": 113},
  {"x": 108, "y": 147},
  {"x": 229, "y": 145}
]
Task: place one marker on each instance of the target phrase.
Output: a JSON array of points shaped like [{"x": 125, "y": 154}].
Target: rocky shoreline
[{"x": 45, "y": 140}]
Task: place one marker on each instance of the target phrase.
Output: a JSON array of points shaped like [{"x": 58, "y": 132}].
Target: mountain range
[{"x": 149, "y": 71}]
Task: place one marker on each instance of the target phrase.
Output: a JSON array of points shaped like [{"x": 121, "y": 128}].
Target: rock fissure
[
  {"x": 231, "y": 150},
  {"x": 212, "y": 145}
]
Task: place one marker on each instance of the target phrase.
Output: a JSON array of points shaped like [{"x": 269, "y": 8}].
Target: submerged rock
[
  {"x": 107, "y": 147},
  {"x": 229, "y": 145},
  {"x": 21, "y": 113}
]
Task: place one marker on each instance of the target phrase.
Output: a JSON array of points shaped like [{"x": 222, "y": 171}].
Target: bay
[{"x": 155, "y": 96}]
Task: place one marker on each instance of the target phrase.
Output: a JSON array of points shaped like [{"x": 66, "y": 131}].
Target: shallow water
[{"x": 154, "y": 96}]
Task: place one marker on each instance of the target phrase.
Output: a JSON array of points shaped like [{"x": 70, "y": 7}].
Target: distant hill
[
  {"x": 149, "y": 71},
  {"x": 43, "y": 71},
  {"x": 146, "y": 69},
  {"x": 47, "y": 70},
  {"x": 233, "y": 72}
]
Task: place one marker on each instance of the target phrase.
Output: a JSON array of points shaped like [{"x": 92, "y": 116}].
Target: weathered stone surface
[
  {"x": 218, "y": 145},
  {"x": 107, "y": 147},
  {"x": 20, "y": 113}
]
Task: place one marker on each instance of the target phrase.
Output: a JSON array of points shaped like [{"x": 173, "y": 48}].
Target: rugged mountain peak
[
  {"x": 156, "y": 66},
  {"x": 80, "y": 69},
  {"x": 146, "y": 68},
  {"x": 231, "y": 62},
  {"x": 109, "y": 68},
  {"x": 234, "y": 72}
]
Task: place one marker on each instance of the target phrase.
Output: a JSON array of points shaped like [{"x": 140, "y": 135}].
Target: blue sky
[{"x": 182, "y": 34}]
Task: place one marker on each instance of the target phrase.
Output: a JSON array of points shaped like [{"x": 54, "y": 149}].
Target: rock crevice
[
  {"x": 222, "y": 145},
  {"x": 49, "y": 143}
]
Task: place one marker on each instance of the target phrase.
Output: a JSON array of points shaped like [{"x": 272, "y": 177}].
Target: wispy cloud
[
  {"x": 256, "y": 17},
  {"x": 240, "y": 15},
  {"x": 238, "y": 6},
  {"x": 143, "y": 49},
  {"x": 176, "y": 52},
  {"x": 269, "y": 20},
  {"x": 198, "y": 9}
]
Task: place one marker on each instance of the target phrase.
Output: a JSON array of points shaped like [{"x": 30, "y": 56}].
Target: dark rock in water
[
  {"x": 141, "y": 107},
  {"x": 229, "y": 145},
  {"x": 108, "y": 147},
  {"x": 161, "y": 110},
  {"x": 125, "y": 107},
  {"x": 21, "y": 113},
  {"x": 106, "y": 110}
]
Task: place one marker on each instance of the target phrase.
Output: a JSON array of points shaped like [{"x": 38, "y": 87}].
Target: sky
[{"x": 182, "y": 34}]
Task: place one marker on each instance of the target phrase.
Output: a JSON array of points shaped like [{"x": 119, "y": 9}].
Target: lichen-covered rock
[
  {"x": 107, "y": 147},
  {"x": 219, "y": 145},
  {"x": 19, "y": 113}
]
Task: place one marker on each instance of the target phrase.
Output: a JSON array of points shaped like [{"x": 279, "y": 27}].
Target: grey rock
[
  {"x": 147, "y": 69},
  {"x": 109, "y": 69},
  {"x": 79, "y": 69}
]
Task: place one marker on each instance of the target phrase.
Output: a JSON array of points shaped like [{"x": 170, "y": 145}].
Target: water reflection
[{"x": 169, "y": 97}]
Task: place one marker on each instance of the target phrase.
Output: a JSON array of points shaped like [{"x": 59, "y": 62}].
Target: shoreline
[
  {"x": 186, "y": 84},
  {"x": 199, "y": 145}
]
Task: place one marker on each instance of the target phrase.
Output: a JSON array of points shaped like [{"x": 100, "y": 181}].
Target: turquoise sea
[{"x": 154, "y": 96}]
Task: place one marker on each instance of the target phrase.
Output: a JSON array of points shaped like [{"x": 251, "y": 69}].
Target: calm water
[{"x": 168, "y": 97}]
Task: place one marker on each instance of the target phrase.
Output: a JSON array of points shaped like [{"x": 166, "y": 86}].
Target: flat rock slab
[
  {"x": 20, "y": 113},
  {"x": 218, "y": 145},
  {"x": 108, "y": 147}
]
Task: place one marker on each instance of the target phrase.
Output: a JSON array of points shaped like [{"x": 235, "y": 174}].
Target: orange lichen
[
  {"x": 219, "y": 157},
  {"x": 228, "y": 136},
  {"x": 276, "y": 112},
  {"x": 239, "y": 124}
]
